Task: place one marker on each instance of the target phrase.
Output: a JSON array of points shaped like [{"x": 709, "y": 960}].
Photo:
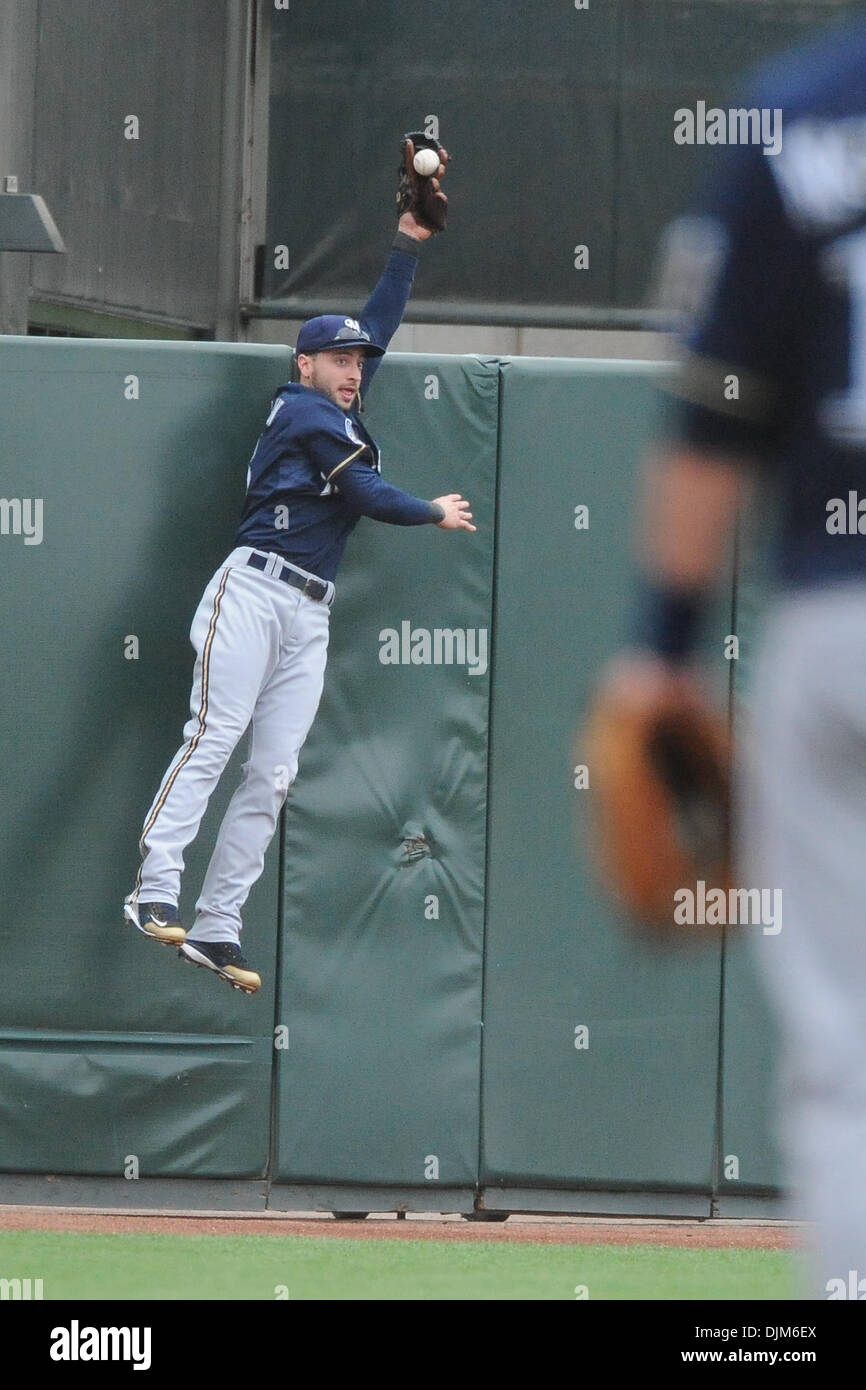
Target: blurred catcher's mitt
[
  {"x": 418, "y": 193},
  {"x": 660, "y": 785}
]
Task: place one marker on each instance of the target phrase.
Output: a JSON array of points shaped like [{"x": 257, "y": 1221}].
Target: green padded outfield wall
[
  {"x": 109, "y": 1045},
  {"x": 600, "y": 1054},
  {"x": 749, "y": 1131},
  {"x": 381, "y": 978},
  {"x": 421, "y": 885}
]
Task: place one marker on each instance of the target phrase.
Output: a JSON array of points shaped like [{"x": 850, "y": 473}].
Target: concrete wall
[{"x": 510, "y": 342}]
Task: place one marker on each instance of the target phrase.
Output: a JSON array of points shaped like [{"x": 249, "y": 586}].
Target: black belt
[{"x": 313, "y": 588}]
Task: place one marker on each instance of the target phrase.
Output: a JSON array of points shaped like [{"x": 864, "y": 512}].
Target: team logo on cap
[{"x": 351, "y": 332}]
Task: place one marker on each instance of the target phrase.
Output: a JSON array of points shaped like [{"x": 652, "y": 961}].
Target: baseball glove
[
  {"x": 417, "y": 193},
  {"x": 660, "y": 785}
]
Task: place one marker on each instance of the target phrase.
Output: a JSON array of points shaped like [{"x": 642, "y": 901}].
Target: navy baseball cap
[{"x": 334, "y": 331}]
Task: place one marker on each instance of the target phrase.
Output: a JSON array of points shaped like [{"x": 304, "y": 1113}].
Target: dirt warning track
[{"x": 538, "y": 1230}]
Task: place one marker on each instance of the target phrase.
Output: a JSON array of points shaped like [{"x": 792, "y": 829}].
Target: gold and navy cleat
[
  {"x": 157, "y": 920},
  {"x": 226, "y": 959}
]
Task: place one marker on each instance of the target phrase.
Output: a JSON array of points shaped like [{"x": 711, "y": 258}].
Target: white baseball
[{"x": 426, "y": 162}]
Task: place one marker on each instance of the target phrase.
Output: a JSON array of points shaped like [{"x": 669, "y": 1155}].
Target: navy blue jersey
[
  {"x": 775, "y": 363},
  {"x": 316, "y": 470}
]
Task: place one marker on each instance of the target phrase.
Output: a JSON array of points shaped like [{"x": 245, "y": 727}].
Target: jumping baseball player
[
  {"x": 260, "y": 632},
  {"x": 775, "y": 373}
]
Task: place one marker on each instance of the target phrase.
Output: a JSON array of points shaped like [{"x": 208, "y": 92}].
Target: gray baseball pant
[
  {"x": 261, "y": 649},
  {"x": 803, "y": 829}
]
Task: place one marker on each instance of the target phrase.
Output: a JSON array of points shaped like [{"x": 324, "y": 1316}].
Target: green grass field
[{"x": 78, "y": 1266}]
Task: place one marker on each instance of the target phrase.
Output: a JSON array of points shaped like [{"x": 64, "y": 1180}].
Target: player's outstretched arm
[
  {"x": 423, "y": 209},
  {"x": 367, "y": 493}
]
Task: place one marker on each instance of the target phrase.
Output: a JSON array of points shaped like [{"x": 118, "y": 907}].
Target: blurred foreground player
[{"x": 774, "y": 382}]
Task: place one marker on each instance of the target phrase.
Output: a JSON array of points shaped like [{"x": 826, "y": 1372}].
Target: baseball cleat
[
  {"x": 226, "y": 959},
  {"x": 157, "y": 920}
]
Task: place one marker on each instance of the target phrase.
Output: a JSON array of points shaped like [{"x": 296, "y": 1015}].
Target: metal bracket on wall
[{"x": 25, "y": 222}]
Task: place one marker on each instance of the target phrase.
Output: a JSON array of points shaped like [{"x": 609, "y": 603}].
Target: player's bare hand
[
  {"x": 457, "y": 514},
  {"x": 411, "y": 226},
  {"x": 408, "y": 225}
]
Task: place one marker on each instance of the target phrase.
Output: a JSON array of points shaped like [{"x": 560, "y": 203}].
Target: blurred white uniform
[{"x": 776, "y": 371}]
